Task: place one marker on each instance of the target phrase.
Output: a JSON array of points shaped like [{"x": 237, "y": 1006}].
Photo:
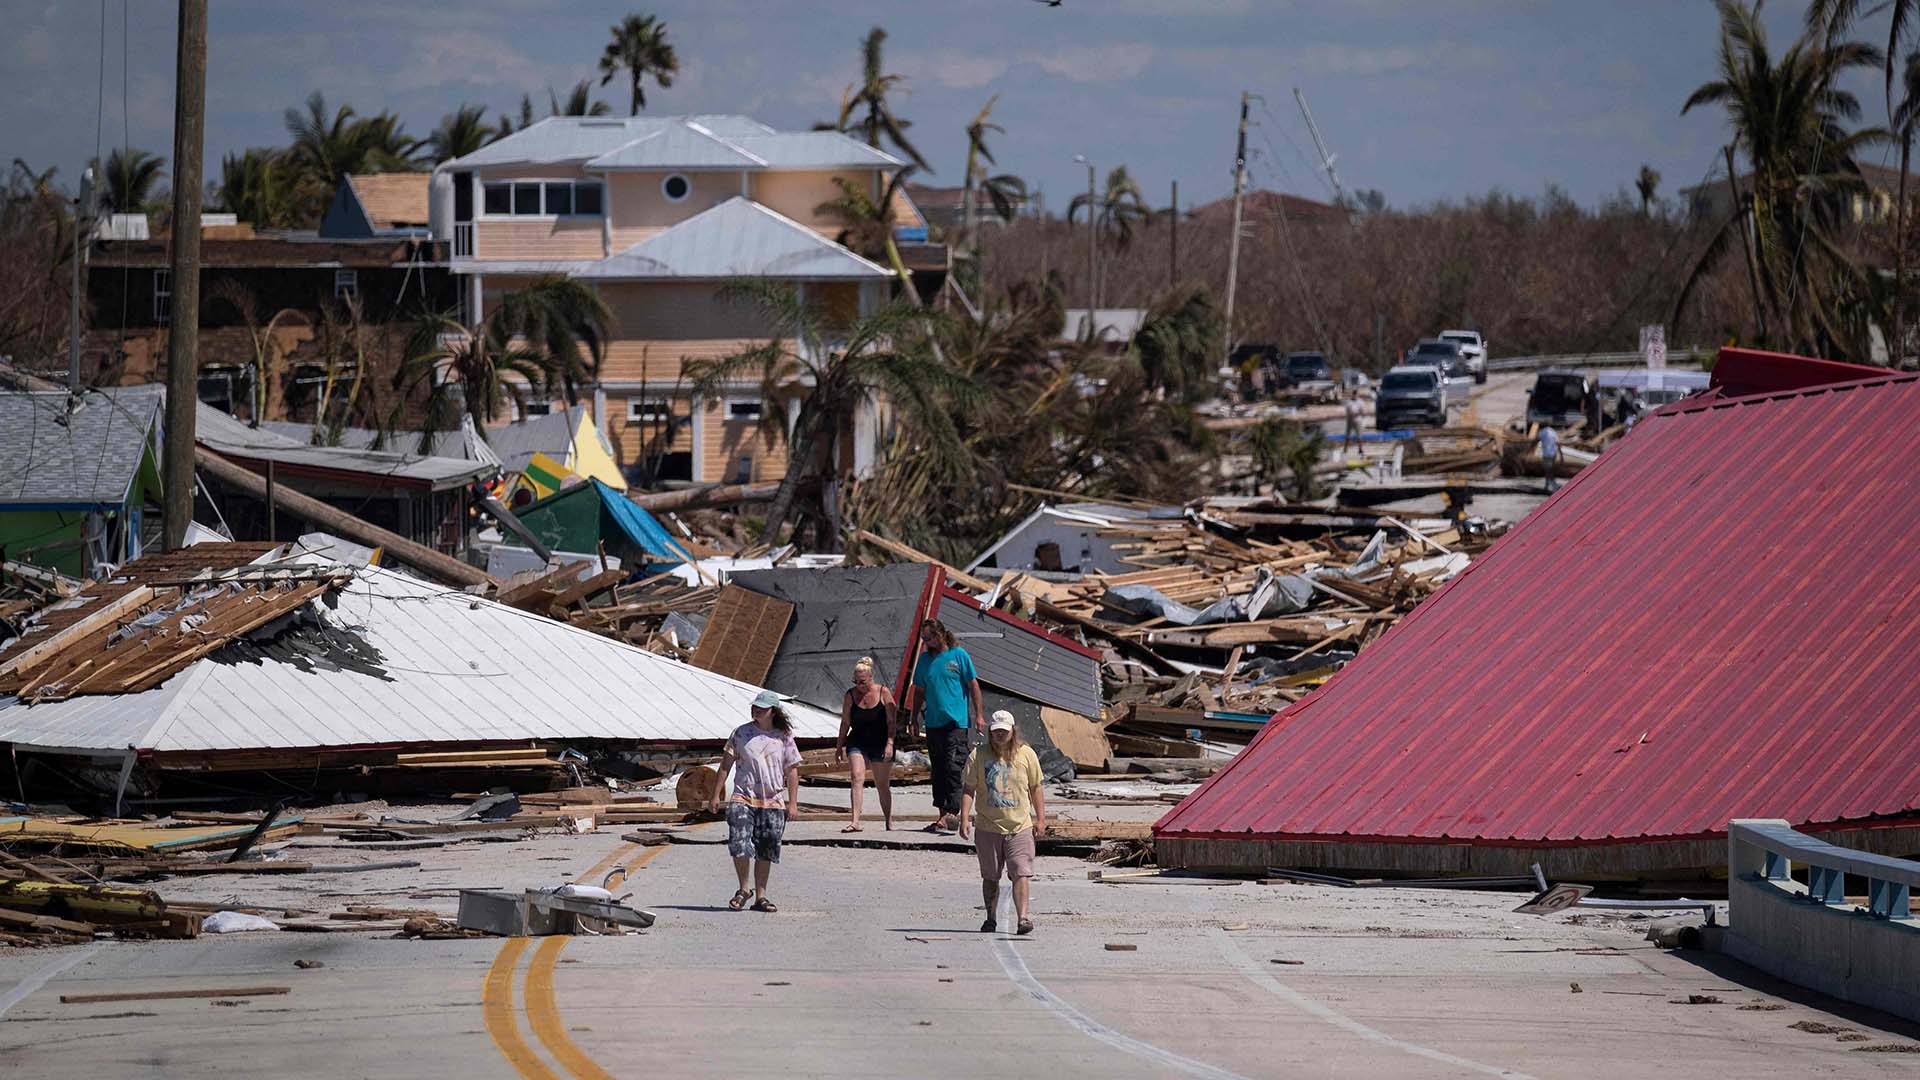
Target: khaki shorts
[{"x": 999, "y": 851}]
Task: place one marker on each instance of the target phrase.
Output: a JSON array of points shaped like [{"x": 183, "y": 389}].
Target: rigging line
[
  {"x": 126, "y": 141},
  {"x": 1653, "y": 275},
  {"x": 1315, "y": 169},
  {"x": 100, "y": 99},
  {"x": 1300, "y": 281}
]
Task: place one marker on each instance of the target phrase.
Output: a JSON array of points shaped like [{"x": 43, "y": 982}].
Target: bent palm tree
[
  {"x": 579, "y": 102},
  {"x": 565, "y": 323},
  {"x": 255, "y": 186},
  {"x": 1121, "y": 209},
  {"x": 1787, "y": 116},
  {"x": 1906, "y": 118},
  {"x": 640, "y": 48},
  {"x": 882, "y": 355},
  {"x": 871, "y": 95},
  {"x": 1005, "y": 192},
  {"x": 868, "y": 224},
  {"x": 1647, "y": 182},
  {"x": 460, "y": 368}
]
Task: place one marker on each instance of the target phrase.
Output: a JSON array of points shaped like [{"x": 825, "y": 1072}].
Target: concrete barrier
[{"x": 1808, "y": 934}]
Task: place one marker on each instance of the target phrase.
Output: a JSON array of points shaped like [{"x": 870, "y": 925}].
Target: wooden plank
[
  {"x": 743, "y": 633},
  {"x": 1081, "y": 739},
  {"x": 593, "y": 586},
  {"x": 93, "y": 621},
  {"x": 167, "y": 995}
]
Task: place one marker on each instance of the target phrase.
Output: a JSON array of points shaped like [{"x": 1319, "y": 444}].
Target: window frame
[
  {"x": 670, "y": 178},
  {"x": 349, "y": 280},
  {"x": 642, "y": 410},
  {"x": 163, "y": 297},
  {"x": 727, "y": 406},
  {"x": 539, "y": 187}
]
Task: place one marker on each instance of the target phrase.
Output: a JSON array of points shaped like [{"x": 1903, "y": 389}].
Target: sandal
[
  {"x": 740, "y": 899},
  {"x": 1025, "y": 926},
  {"x": 853, "y": 828},
  {"x": 764, "y": 904}
]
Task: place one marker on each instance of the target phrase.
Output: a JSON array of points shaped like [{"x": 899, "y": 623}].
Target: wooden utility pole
[
  {"x": 1093, "y": 244},
  {"x": 1173, "y": 237},
  {"x": 183, "y": 343},
  {"x": 1233, "y": 243},
  {"x": 1746, "y": 245}
]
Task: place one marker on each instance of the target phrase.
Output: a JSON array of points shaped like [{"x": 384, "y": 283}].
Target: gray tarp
[{"x": 1271, "y": 597}]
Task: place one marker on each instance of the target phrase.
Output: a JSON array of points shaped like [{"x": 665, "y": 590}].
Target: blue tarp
[{"x": 641, "y": 528}]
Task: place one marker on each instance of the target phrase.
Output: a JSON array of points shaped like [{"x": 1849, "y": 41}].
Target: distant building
[
  {"x": 946, "y": 207},
  {"x": 1269, "y": 207},
  {"x": 1714, "y": 202},
  {"x": 1111, "y": 327},
  {"x": 656, "y": 213}
]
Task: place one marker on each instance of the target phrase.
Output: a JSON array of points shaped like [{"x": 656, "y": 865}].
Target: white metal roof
[
  {"x": 717, "y": 141},
  {"x": 738, "y": 238},
  {"x": 223, "y": 434},
  {"x": 401, "y": 661},
  {"x": 678, "y": 146}
]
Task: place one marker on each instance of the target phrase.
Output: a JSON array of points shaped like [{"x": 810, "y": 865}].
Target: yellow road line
[
  {"x": 497, "y": 1006},
  {"x": 544, "y": 1014}
]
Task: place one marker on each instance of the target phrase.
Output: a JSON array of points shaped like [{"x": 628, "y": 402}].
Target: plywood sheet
[
  {"x": 742, "y": 635},
  {"x": 1081, "y": 739}
]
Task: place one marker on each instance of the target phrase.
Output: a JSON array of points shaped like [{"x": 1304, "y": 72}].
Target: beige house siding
[
  {"x": 798, "y": 194},
  {"x": 538, "y": 238},
  {"x": 656, "y": 325},
  {"x": 641, "y": 210},
  {"x": 725, "y": 442},
  {"x": 634, "y": 439}
]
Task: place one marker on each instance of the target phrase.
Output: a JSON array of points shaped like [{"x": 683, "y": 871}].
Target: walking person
[
  {"x": 1002, "y": 791},
  {"x": 766, "y": 793},
  {"x": 1353, "y": 421},
  {"x": 943, "y": 700},
  {"x": 1550, "y": 455},
  {"x": 868, "y": 716}
]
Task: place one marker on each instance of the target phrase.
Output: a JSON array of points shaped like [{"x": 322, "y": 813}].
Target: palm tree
[
  {"x": 1179, "y": 342},
  {"x": 256, "y": 186},
  {"x": 868, "y": 223},
  {"x": 579, "y": 102},
  {"x": 882, "y": 355},
  {"x": 1005, "y": 192},
  {"x": 326, "y": 147},
  {"x": 460, "y": 133},
  {"x": 1906, "y": 117},
  {"x": 640, "y": 48},
  {"x": 1647, "y": 183},
  {"x": 565, "y": 323},
  {"x": 131, "y": 175},
  {"x": 871, "y": 95},
  {"x": 508, "y": 124},
  {"x": 1787, "y": 117},
  {"x": 461, "y": 368},
  {"x": 1121, "y": 209}
]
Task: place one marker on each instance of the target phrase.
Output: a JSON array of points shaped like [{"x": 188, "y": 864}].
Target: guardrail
[
  {"x": 1571, "y": 360},
  {"x": 1808, "y": 934}
]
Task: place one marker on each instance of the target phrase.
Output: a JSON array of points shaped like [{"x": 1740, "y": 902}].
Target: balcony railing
[{"x": 463, "y": 240}]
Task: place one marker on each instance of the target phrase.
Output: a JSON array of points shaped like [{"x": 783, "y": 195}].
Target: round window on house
[{"x": 676, "y": 187}]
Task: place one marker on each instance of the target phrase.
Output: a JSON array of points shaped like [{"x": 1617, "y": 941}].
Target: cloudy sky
[{"x": 1424, "y": 99}]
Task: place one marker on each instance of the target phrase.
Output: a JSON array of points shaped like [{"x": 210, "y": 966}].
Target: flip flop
[
  {"x": 853, "y": 828},
  {"x": 740, "y": 899},
  {"x": 935, "y": 829}
]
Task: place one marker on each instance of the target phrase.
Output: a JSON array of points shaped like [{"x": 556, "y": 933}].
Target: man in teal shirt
[{"x": 944, "y": 698}]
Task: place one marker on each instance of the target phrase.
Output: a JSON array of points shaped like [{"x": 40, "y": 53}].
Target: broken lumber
[{"x": 169, "y": 995}]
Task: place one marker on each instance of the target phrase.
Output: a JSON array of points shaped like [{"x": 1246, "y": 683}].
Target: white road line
[
  {"x": 1016, "y": 969},
  {"x": 1247, "y": 967},
  {"x": 25, "y": 987}
]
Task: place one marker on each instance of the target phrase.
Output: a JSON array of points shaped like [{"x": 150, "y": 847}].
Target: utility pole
[
  {"x": 183, "y": 344},
  {"x": 1093, "y": 245},
  {"x": 1173, "y": 241},
  {"x": 1233, "y": 244},
  {"x": 1748, "y": 242},
  {"x": 1326, "y": 159},
  {"x": 83, "y": 221}
]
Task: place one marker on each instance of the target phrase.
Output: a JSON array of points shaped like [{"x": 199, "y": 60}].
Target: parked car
[
  {"x": 1411, "y": 394},
  {"x": 1309, "y": 376},
  {"x": 1445, "y": 355},
  {"x": 1473, "y": 348},
  {"x": 1558, "y": 398}
]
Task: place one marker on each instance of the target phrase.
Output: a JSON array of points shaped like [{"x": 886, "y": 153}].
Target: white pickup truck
[{"x": 1473, "y": 349}]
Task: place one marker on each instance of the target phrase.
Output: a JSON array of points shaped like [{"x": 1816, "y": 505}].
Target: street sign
[
  {"x": 1653, "y": 345},
  {"x": 1555, "y": 900}
]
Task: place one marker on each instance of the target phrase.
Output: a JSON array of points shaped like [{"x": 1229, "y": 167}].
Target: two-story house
[{"x": 657, "y": 213}]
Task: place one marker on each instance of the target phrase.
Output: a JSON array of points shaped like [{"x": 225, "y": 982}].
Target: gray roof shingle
[{"x": 89, "y": 457}]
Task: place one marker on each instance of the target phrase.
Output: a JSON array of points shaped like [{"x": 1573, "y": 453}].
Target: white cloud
[
  {"x": 1095, "y": 63},
  {"x": 34, "y": 48},
  {"x": 464, "y": 57},
  {"x": 951, "y": 68}
]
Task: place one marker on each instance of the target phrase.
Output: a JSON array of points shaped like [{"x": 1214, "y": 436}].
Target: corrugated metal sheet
[
  {"x": 1023, "y": 658},
  {"x": 815, "y": 150},
  {"x": 840, "y": 614},
  {"x": 1715, "y": 620},
  {"x": 223, "y": 434},
  {"x": 738, "y": 238},
  {"x": 400, "y": 661}
]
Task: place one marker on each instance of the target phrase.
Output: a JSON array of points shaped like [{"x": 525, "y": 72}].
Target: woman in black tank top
[{"x": 867, "y": 719}]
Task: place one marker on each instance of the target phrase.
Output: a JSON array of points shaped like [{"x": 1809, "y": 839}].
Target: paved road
[{"x": 1389, "y": 983}]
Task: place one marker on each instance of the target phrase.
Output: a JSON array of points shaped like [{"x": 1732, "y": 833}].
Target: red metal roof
[{"x": 1715, "y": 620}]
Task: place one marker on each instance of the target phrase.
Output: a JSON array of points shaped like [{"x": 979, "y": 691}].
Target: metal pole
[
  {"x": 271, "y": 533},
  {"x": 183, "y": 359},
  {"x": 1093, "y": 249},
  {"x": 1173, "y": 241},
  {"x": 73, "y": 313},
  {"x": 1326, "y": 159},
  {"x": 1233, "y": 244}
]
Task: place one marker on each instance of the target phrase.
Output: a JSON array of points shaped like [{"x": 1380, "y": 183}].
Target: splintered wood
[{"x": 742, "y": 635}]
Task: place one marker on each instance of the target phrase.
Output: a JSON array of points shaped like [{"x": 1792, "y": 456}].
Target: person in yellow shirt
[{"x": 1000, "y": 791}]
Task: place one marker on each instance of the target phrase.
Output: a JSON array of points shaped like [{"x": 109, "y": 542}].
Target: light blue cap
[{"x": 766, "y": 699}]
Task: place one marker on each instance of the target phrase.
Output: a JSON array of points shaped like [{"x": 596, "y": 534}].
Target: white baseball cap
[{"x": 1002, "y": 721}]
